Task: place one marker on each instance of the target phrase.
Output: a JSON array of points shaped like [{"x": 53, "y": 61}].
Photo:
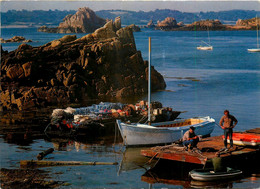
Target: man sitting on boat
[{"x": 190, "y": 139}]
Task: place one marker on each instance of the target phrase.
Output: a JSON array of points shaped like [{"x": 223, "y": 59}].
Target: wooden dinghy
[
  {"x": 210, "y": 175},
  {"x": 245, "y": 139}
]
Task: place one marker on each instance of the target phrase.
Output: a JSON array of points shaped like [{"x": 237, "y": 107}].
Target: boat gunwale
[{"x": 207, "y": 120}]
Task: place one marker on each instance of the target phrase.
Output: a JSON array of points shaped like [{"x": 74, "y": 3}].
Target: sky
[{"x": 144, "y": 5}]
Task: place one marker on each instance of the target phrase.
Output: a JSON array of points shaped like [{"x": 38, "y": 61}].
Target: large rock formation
[
  {"x": 98, "y": 65},
  {"x": 167, "y": 24},
  {"x": 83, "y": 21}
]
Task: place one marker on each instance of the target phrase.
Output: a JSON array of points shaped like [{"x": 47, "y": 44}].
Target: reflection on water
[
  {"x": 132, "y": 159},
  {"x": 22, "y": 138},
  {"x": 177, "y": 174}
]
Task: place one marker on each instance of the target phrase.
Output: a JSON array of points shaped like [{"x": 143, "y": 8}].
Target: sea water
[{"x": 203, "y": 83}]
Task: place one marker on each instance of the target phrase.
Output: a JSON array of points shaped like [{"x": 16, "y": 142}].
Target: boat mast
[
  {"x": 208, "y": 35},
  {"x": 149, "y": 83},
  {"x": 257, "y": 28}
]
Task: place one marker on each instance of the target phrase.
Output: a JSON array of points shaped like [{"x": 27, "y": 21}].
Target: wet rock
[
  {"x": 15, "y": 72},
  {"x": 15, "y": 39},
  {"x": 105, "y": 32},
  {"x": 27, "y": 69},
  {"x": 26, "y": 178},
  {"x": 117, "y": 23}
]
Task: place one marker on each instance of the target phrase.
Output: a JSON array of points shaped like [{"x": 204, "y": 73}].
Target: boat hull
[
  {"x": 141, "y": 134},
  {"x": 254, "y": 50},
  {"x": 210, "y": 175},
  {"x": 205, "y": 48},
  {"x": 245, "y": 139}
]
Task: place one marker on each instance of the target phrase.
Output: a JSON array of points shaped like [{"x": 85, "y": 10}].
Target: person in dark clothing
[
  {"x": 190, "y": 139},
  {"x": 227, "y": 123}
]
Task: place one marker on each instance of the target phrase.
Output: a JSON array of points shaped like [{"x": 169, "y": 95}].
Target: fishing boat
[
  {"x": 245, "y": 139},
  {"x": 208, "y": 46},
  {"x": 257, "y": 42},
  {"x": 210, "y": 175},
  {"x": 136, "y": 134},
  {"x": 163, "y": 132}
]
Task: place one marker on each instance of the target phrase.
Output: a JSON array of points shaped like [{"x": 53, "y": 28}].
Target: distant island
[
  {"x": 170, "y": 24},
  {"x": 53, "y": 18},
  {"x": 85, "y": 20}
]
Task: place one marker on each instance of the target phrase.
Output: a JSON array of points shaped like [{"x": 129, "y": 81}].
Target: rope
[
  {"x": 144, "y": 117},
  {"x": 219, "y": 126}
]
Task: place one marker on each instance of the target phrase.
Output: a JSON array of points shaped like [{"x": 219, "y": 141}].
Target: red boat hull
[{"x": 245, "y": 139}]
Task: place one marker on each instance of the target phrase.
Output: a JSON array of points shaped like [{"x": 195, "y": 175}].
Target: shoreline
[{"x": 184, "y": 28}]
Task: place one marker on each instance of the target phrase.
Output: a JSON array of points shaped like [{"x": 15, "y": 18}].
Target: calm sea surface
[{"x": 203, "y": 83}]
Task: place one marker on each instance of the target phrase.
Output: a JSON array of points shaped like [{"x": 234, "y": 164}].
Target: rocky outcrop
[
  {"x": 103, "y": 64},
  {"x": 167, "y": 24},
  {"x": 47, "y": 30},
  {"x": 247, "y": 24},
  {"x": 15, "y": 39},
  {"x": 205, "y": 25},
  {"x": 150, "y": 24},
  {"x": 135, "y": 28},
  {"x": 83, "y": 21}
]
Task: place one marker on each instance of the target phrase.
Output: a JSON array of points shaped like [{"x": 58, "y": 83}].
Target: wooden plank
[
  {"x": 176, "y": 156},
  {"x": 36, "y": 163},
  {"x": 209, "y": 147}
]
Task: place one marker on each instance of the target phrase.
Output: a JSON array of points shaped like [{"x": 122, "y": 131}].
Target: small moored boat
[
  {"x": 205, "y": 48},
  {"x": 208, "y": 47},
  {"x": 210, "y": 175},
  {"x": 163, "y": 132},
  {"x": 245, "y": 139},
  {"x": 257, "y": 42}
]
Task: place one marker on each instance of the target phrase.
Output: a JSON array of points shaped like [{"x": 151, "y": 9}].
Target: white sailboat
[
  {"x": 257, "y": 42},
  {"x": 136, "y": 134},
  {"x": 208, "y": 46}
]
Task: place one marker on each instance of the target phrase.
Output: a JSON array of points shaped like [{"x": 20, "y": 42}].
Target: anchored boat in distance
[
  {"x": 208, "y": 47},
  {"x": 257, "y": 42}
]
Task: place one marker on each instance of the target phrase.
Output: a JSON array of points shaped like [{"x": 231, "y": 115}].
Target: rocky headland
[
  {"x": 83, "y": 21},
  {"x": 103, "y": 64},
  {"x": 15, "y": 39}
]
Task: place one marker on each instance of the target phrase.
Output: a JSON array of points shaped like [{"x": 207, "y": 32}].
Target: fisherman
[
  {"x": 227, "y": 123},
  {"x": 190, "y": 139}
]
